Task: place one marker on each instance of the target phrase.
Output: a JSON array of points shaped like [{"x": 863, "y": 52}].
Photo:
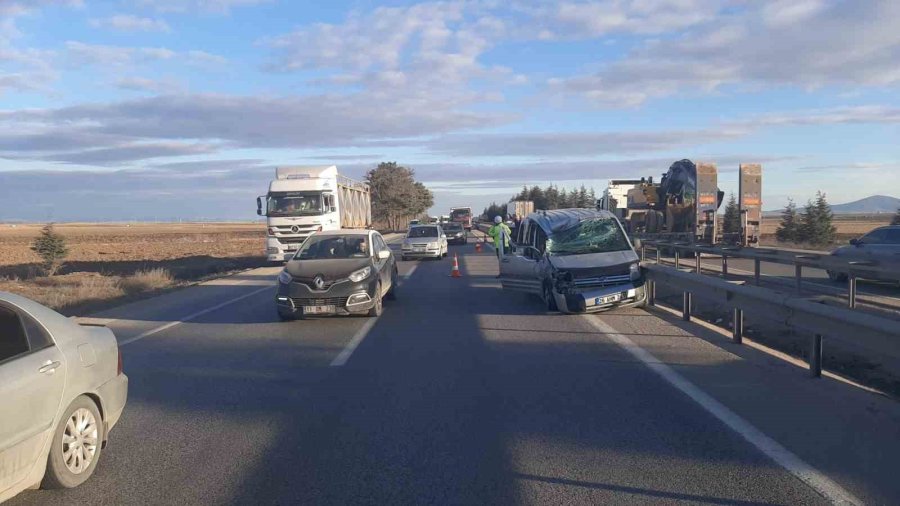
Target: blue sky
[{"x": 167, "y": 109}]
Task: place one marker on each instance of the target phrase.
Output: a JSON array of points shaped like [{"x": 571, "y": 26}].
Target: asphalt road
[{"x": 463, "y": 394}]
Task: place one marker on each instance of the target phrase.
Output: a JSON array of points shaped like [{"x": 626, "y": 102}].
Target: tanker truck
[{"x": 305, "y": 200}]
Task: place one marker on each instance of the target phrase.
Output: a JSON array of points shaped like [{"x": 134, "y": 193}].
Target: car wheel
[
  {"x": 379, "y": 303},
  {"x": 392, "y": 293},
  {"x": 403, "y": 258},
  {"x": 549, "y": 300},
  {"x": 75, "y": 449},
  {"x": 836, "y": 276}
]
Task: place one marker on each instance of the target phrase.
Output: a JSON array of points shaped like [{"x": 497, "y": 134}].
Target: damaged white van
[{"x": 576, "y": 260}]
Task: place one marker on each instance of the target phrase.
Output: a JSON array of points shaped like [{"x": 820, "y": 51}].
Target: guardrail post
[
  {"x": 815, "y": 356},
  {"x": 651, "y": 292},
  {"x": 798, "y": 273},
  {"x": 697, "y": 256},
  {"x": 643, "y": 252},
  {"x": 686, "y": 306},
  {"x": 737, "y": 325},
  {"x": 677, "y": 256},
  {"x": 724, "y": 266},
  {"x": 851, "y": 289},
  {"x": 756, "y": 270},
  {"x": 657, "y": 253}
]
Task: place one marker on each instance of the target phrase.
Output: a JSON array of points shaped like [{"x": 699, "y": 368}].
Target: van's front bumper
[{"x": 592, "y": 300}]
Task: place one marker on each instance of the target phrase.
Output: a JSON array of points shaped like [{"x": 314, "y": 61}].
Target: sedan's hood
[
  {"x": 595, "y": 264},
  {"x": 331, "y": 270}
]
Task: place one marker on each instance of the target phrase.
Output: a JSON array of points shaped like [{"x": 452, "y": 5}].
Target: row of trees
[
  {"x": 812, "y": 225},
  {"x": 551, "y": 197},
  {"x": 396, "y": 195}
]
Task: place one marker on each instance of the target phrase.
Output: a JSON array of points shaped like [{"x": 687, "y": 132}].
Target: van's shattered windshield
[{"x": 600, "y": 235}]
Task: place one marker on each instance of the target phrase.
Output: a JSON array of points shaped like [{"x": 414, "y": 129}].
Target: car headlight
[
  {"x": 357, "y": 276},
  {"x": 285, "y": 278},
  {"x": 635, "y": 271},
  {"x": 433, "y": 245}
]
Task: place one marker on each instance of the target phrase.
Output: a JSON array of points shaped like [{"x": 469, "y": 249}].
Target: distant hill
[{"x": 870, "y": 205}]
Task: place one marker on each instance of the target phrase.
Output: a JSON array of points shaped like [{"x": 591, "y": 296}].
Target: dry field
[
  {"x": 113, "y": 263},
  {"x": 848, "y": 227}
]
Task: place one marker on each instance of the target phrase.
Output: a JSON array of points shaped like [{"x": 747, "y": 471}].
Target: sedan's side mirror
[
  {"x": 384, "y": 254},
  {"x": 855, "y": 242},
  {"x": 259, "y": 206}
]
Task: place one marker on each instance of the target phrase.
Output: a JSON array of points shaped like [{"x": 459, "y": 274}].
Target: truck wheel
[{"x": 75, "y": 449}]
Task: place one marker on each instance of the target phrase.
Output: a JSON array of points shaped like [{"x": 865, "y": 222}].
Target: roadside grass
[{"x": 146, "y": 280}]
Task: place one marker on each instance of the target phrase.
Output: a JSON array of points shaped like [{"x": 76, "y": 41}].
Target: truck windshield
[
  {"x": 294, "y": 204},
  {"x": 601, "y": 235},
  {"x": 330, "y": 247}
]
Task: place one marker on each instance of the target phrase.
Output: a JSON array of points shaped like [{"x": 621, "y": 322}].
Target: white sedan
[
  {"x": 61, "y": 391},
  {"x": 424, "y": 241}
]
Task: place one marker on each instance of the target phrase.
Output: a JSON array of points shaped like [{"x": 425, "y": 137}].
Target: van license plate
[
  {"x": 318, "y": 309},
  {"x": 606, "y": 299}
]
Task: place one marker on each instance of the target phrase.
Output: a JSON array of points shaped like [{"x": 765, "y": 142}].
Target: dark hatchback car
[
  {"x": 455, "y": 232},
  {"x": 337, "y": 272}
]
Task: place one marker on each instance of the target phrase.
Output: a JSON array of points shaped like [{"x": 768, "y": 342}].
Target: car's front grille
[
  {"x": 602, "y": 281},
  {"x": 290, "y": 240},
  {"x": 328, "y": 301}
]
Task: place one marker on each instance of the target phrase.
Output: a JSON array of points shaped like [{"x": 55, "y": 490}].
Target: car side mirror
[
  {"x": 855, "y": 242},
  {"x": 384, "y": 254},
  {"x": 259, "y": 206},
  {"x": 443, "y": 236}
]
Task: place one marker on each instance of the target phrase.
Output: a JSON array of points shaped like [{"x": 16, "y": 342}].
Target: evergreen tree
[
  {"x": 817, "y": 227},
  {"x": 789, "y": 228},
  {"x": 581, "y": 199},
  {"x": 51, "y": 247},
  {"x": 731, "y": 224}
]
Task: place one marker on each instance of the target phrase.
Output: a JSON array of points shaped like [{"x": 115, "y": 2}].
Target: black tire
[
  {"x": 59, "y": 475},
  {"x": 836, "y": 277},
  {"x": 392, "y": 293},
  {"x": 403, "y": 258},
  {"x": 379, "y": 303},
  {"x": 549, "y": 301}
]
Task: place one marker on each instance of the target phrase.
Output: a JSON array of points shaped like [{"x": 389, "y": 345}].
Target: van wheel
[
  {"x": 549, "y": 300},
  {"x": 75, "y": 449}
]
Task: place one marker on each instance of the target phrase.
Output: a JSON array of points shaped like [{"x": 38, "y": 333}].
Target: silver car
[
  {"x": 424, "y": 241},
  {"x": 881, "y": 245},
  {"x": 61, "y": 391}
]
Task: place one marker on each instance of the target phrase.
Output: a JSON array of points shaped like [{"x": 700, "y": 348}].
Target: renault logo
[
  {"x": 295, "y": 229},
  {"x": 319, "y": 281}
]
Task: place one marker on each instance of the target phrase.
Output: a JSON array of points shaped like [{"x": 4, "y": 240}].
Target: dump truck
[
  {"x": 303, "y": 200},
  {"x": 683, "y": 205}
]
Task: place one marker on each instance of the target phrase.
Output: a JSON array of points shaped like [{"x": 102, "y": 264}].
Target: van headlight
[
  {"x": 357, "y": 276},
  {"x": 285, "y": 278},
  {"x": 635, "y": 271}
]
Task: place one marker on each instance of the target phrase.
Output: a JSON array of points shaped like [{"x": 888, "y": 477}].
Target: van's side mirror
[
  {"x": 259, "y": 206},
  {"x": 855, "y": 242}
]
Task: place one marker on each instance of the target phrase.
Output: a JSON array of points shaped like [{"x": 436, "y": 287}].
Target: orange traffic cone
[
  {"x": 455, "y": 272},
  {"x": 477, "y": 247}
]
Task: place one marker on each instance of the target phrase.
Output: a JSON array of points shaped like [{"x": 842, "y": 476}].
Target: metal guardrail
[
  {"x": 873, "y": 269},
  {"x": 876, "y": 334}
]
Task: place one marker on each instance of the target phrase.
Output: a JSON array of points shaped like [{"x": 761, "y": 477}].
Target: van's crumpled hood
[
  {"x": 331, "y": 270},
  {"x": 595, "y": 264}
]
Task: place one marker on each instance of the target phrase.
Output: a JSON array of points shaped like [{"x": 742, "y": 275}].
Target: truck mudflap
[{"x": 601, "y": 299}]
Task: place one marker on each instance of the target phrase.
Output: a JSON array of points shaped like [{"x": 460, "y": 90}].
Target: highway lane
[{"x": 461, "y": 393}]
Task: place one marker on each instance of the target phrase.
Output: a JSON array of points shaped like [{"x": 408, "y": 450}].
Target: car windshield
[
  {"x": 422, "y": 232},
  {"x": 601, "y": 235},
  {"x": 294, "y": 204},
  {"x": 330, "y": 247},
  {"x": 460, "y": 213},
  {"x": 455, "y": 227}
]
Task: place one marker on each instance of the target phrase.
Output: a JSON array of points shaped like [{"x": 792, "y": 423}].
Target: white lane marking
[
  {"x": 193, "y": 316},
  {"x": 771, "y": 448},
  {"x": 348, "y": 350},
  {"x": 410, "y": 272}
]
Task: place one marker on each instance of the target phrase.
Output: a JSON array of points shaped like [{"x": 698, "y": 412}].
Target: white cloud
[
  {"x": 848, "y": 44},
  {"x": 116, "y": 56},
  {"x": 567, "y": 20},
  {"x": 214, "y": 6},
  {"x": 131, "y": 23},
  {"x": 149, "y": 85}
]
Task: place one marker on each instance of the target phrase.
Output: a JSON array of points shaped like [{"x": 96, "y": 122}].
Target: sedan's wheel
[
  {"x": 836, "y": 276},
  {"x": 379, "y": 303},
  {"x": 549, "y": 300},
  {"x": 75, "y": 449}
]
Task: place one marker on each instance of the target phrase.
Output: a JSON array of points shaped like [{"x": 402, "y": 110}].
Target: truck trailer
[
  {"x": 519, "y": 209},
  {"x": 305, "y": 200},
  {"x": 683, "y": 205}
]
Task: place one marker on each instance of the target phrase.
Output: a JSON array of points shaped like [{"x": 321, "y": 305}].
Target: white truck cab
[{"x": 305, "y": 200}]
